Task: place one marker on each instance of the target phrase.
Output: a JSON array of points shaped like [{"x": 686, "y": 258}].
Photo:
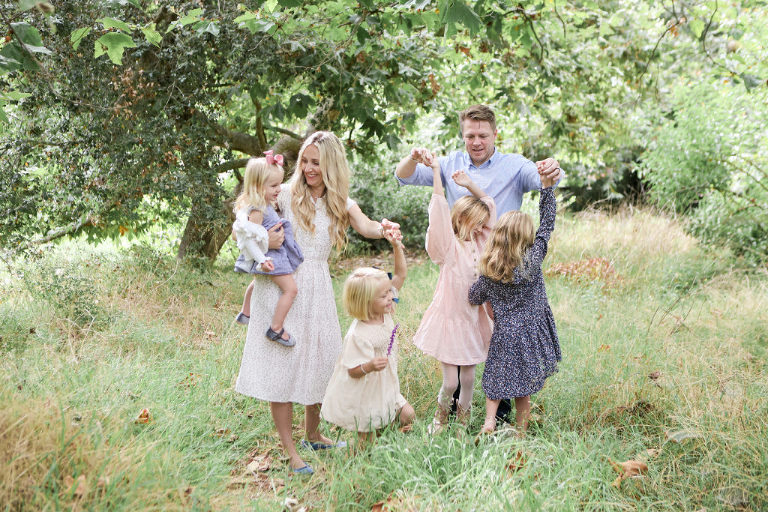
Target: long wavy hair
[
  {"x": 257, "y": 170},
  {"x": 505, "y": 250},
  {"x": 335, "y": 172},
  {"x": 468, "y": 212}
]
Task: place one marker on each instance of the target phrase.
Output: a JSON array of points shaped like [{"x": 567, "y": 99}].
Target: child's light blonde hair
[
  {"x": 257, "y": 171},
  {"x": 505, "y": 250},
  {"x": 467, "y": 213},
  {"x": 360, "y": 291},
  {"x": 335, "y": 172}
]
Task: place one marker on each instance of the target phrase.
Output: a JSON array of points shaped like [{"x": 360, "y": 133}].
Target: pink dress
[{"x": 452, "y": 330}]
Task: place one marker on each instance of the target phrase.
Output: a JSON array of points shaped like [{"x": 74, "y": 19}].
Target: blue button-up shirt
[{"x": 503, "y": 177}]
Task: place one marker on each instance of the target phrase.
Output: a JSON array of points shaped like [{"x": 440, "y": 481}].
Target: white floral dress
[{"x": 299, "y": 374}]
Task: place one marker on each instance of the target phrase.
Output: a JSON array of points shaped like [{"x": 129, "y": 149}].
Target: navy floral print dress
[{"x": 524, "y": 348}]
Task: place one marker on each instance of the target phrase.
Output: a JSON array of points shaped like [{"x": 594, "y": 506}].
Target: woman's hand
[
  {"x": 276, "y": 236},
  {"x": 267, "y": 266}
]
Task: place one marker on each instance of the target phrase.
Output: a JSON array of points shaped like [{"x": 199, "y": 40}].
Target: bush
[
  {"x": 710, "y": 161},
  {"x": 379, "y": 195}
]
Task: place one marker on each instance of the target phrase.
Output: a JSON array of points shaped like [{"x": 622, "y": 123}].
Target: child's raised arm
[
  {"x": 401, "y": 266},
  {"x": 463, "y": 180},
  {"x": 437, "y": 180}
]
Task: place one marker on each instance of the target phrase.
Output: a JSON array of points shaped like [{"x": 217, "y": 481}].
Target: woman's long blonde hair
[
  {"x": 467, "y": 213},
  {"x": 257, "y": 170},
  {"x": 335, "y": 173},
  {"x": 505, "y": 250}
]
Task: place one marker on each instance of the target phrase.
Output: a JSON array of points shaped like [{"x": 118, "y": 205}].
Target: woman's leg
[
  {"x": 490, "y": 416},
  {"x": 282, "y": 415},
  {"x": 288, "y": 288},
  {"x": 311, "y": 424},
  {"x": 522, "y": 412}
]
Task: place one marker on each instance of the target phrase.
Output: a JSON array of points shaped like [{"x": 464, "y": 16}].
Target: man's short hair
[{"x": 478, "y": 113}]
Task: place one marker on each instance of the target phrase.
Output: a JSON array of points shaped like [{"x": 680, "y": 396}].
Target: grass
[{"x": 669, "y": 343}]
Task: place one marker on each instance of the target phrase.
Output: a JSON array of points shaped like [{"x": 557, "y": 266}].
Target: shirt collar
[{"x": 485, "y": 164}]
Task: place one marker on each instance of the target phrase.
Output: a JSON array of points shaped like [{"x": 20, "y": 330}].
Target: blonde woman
[{"x": 316, "y": 202}]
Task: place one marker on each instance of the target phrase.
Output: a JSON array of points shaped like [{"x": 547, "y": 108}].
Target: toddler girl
[
  {"x": 524, "y": 347},
  {"x": 453, "y": 331},
  {"x": 255, "y": 214},
  {"x": 363, "y": 394}
]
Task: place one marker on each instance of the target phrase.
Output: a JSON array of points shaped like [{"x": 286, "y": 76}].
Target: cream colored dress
[{"x": 372, "y": 401}]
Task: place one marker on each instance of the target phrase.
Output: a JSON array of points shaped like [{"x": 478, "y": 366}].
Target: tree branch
[{"x": 232, "y": 164}]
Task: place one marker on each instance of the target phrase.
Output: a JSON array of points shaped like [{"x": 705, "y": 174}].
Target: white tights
[{"x": 451, "y": 378}]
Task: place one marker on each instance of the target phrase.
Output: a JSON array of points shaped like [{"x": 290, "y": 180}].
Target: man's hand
[
  {"x": 550, "y": 169},
  {"x": 276, "y": 236},
  {"x": 422, "y": 156}
]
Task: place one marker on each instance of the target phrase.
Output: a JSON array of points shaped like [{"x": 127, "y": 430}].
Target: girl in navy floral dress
[{"x": 524, "y": 348}]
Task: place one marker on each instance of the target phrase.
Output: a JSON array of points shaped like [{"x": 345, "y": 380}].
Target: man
[{"x": 504, "y": 177}]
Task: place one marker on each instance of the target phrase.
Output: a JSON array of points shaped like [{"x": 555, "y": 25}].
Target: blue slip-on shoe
[
  {"x": 304, "y": 470},
  {"x": 310, "y": 445}
]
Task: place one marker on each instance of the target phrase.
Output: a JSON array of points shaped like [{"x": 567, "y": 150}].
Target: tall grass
[{"x": 670, "y": 347}]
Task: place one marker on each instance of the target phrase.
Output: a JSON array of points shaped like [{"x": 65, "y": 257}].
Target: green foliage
[
  {"x": 171, "y": 346},
  {"x": 711, "y": 160}
]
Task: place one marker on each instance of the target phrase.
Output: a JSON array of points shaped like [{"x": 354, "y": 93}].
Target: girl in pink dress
[{"x": 452, "y": 330}]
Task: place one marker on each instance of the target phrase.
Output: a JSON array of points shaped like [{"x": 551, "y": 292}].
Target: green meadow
[{"x": 664, "y": 345}]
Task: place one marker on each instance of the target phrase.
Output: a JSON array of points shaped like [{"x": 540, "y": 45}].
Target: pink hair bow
[{"x": 273, "y": 159}]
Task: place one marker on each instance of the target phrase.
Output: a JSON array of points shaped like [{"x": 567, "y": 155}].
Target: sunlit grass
[{"x": 675, "y": 345}]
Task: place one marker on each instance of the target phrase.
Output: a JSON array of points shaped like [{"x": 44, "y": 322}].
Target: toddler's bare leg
[
  {"x": 288, "y": 288},
  {"x": 405, "y": 417},
  {"x": 246, "y": 310}
]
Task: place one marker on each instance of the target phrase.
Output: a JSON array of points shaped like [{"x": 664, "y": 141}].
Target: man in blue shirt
[{"x": 503, "y": 177}]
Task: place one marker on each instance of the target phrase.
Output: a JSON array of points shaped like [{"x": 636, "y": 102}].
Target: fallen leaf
[
  {"x": 682, "y": 435},
  {"x": 68, "y": 482},
  {"x": 603, "y": 347},
  {"x": 654, "y": 375},
  {"x": 82, "y": 486},
  {"x": 221, "y": 432},
  {"x": 628, "y": 469},
  {"x": 516, "y": 463},
  {"x": 210, "y": 334},
  {"x": 103, "y": 482},
  {"x": 653, "y": 452},
  {"x": 259, "y": 463},
  {"x": 143, "y": 417}
]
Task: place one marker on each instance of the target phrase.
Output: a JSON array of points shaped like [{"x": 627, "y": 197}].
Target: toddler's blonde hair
[
  {"x": 468, "y": 212},
  {"x": 505, "y": 250},
  {"x": 335, "y": 173},
  {"x": 360, "y": 291},
  {"x": 257, "y": 170}
]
